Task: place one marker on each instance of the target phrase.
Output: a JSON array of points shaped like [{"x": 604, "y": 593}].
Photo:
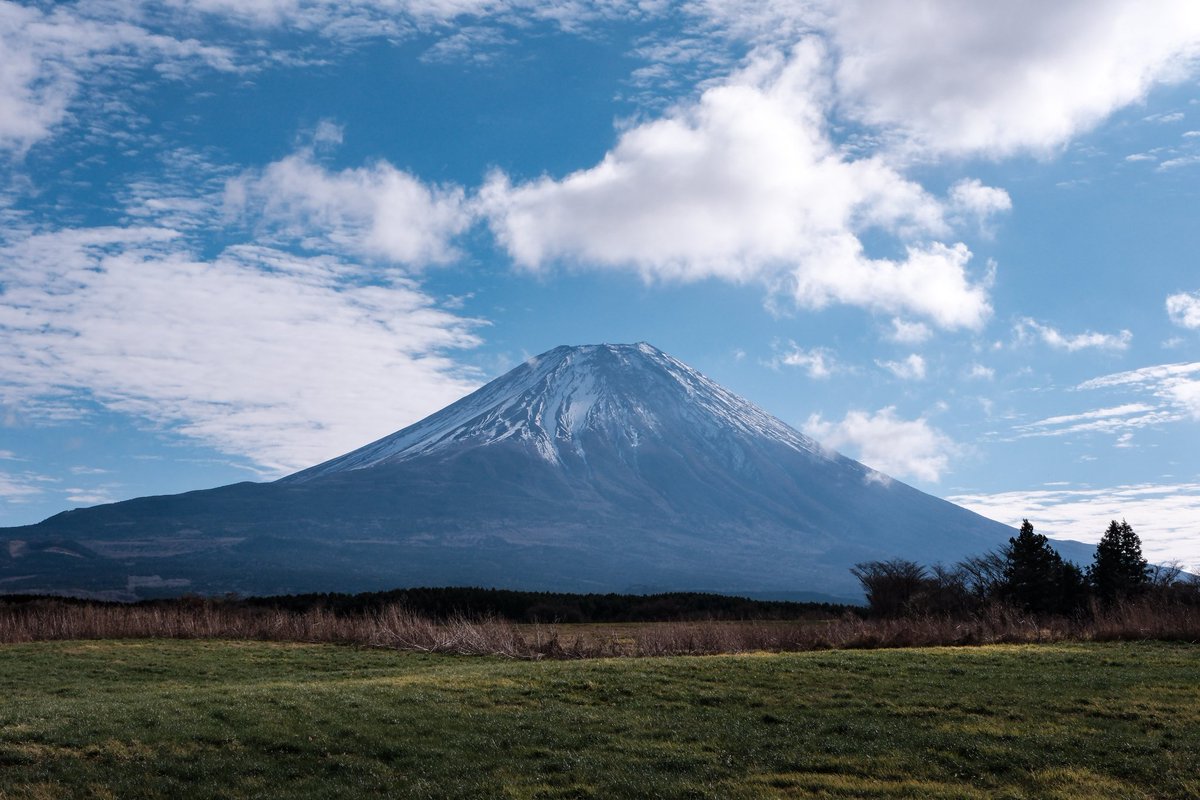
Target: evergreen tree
[
  {"x": 1036, "y": 578},
  {"x": 1072, "y": 589},
  {"x": 1119, "y": 571}
]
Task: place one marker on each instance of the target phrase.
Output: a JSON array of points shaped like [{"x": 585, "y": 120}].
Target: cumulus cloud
[
  {"x": 286, "y": 360},
  {"x": 972, "y": 197},
  {"x": 1001, "y": 78},
  {"x": 894, "y": 446},
  {"x": 1027, "y": 329},
  {"x": 1164, "y": 515},
  {"x": 376, "y": 211},
  {"x": 745, "y": 185},
  {"x": 911, "y": 368},
  {"x": 1184, "y": 309}
]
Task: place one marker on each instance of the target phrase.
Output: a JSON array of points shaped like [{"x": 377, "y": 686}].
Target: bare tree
[{"x": 890, "y": 586}]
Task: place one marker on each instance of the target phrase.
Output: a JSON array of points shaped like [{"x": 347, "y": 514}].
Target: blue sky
[{"x": 955, "y": 241}]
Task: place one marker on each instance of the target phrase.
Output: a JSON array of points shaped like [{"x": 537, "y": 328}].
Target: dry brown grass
[{"x": 395, "y": 627}]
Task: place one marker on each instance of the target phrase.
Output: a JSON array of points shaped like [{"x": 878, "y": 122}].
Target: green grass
[{"x": 157, "y": 718}]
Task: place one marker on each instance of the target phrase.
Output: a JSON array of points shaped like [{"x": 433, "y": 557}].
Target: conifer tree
[
  {"x": 1119, "y": 571},
  {"x": 1036, "y": 578}
]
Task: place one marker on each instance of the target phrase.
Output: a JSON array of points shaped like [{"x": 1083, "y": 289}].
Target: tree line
[
  {"x": 1027, "y": 574},
  {"x": 444, "y": 603},
  {"x": 455, "y": 602}
]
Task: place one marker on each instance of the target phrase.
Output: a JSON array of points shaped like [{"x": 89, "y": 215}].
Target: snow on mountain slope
[{"x": 622, "y": 392}]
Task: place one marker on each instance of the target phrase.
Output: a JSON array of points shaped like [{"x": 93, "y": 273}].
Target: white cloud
[
  {"x": 1163, "y": 515},
  {"x": 20, "y": 487},
  {"x": 1174, "y": 116},
  {"x": 327, "y": 133},
  {"x": 994, "y": 79},
  {"x": 377, "y": 211},
  {"x": 48, "y": 56},
  {"x": 1184, "y": 309},
  {"x": 1027, "y": 328},
  {"x": 745, "y": 185},
  {"x": 904, "y": 332},
  {"x": 69, "y": 55},
  {"x": 1116, "y": 419},
  {"x": 971, "y": 197},
  {"x": 1100, "y": 413},
  {"x": 980, "y": 372},
  {"x": 817, "y": 362},
  {"x": 88, "y": 497},
  {"x": 283, "y": 359},
  {"x": 999, "y": 78},
  {"x": 473, "y": 44},
  {"x": 911, "y": 368},
  {"x": 1174, "y": 384},
  {"x": 898, "y": 447},
  {"x": 355, "y": 20},
  {"x": 1169, "y": 393},
  {"x": 1176, "y": 163}
]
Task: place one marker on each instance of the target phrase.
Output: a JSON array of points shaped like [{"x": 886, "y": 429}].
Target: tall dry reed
[{"x": 397, "y": 628}]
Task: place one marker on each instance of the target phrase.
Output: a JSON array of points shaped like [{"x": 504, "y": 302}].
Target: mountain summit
[
  {"x": 609, "y": 399},
  {"x": 591, "y": 468}
]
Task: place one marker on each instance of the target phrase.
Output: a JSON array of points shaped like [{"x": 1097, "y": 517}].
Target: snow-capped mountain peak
[{"x": 562, "y": 401}]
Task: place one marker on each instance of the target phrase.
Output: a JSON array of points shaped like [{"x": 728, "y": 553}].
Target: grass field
[{"x": 214, "y": 719}]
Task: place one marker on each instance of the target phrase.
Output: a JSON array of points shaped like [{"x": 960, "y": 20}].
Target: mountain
[{"x": 592, "y": 468}]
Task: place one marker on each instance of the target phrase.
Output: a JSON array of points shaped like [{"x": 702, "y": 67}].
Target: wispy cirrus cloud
[
  {"x": 1028, "y": 329},
  {"x": 1176, "y": 386},
  {"x": 50, "y": 55},
  {"x": 1163, "y": 515},
  {"x": 1116, "y": 419},
  {"x": 21, "y": 487},
  {"x": 357, "y": 19},
  {"x": 284, "y": 359},
  {"x": 72, "y": 63}
]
